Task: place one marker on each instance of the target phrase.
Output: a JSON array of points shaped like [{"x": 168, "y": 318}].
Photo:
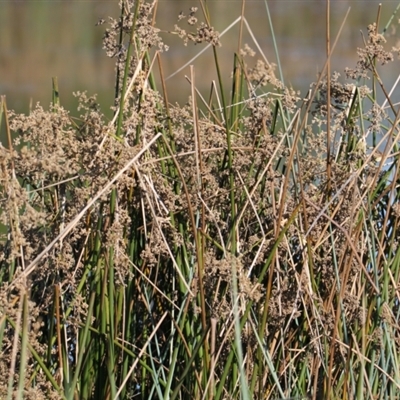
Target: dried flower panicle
[
  {"x": 212, "y": 209},
  {"x": 373, "y": 50},
  {"x": 204, "y": 33}
]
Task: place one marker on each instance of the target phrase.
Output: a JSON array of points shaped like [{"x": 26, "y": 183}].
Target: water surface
[{"x": 42, "y": 39}]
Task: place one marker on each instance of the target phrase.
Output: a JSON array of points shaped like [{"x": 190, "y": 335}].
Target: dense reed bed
[{"x": 244, "y": 245}]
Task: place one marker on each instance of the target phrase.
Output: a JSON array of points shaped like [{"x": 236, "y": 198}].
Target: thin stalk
[
  {"x": 24, "y": 346},
  {"x": 271, "y": 26},
  {"x": 70, "y": 392},
  {"x": 126, "y": 71},
  {"x": 233, "y": 240}
]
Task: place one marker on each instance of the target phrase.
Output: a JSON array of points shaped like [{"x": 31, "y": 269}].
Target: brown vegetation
[{"x": 221, "y": 249}]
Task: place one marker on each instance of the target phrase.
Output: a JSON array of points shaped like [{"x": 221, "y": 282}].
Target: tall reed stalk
[{"x": 239, "y": 247}]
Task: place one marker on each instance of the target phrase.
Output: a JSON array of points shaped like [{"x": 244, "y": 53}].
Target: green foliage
[{"x": 240, "y": 247}]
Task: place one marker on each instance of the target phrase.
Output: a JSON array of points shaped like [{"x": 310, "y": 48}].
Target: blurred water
[{"x": 41, "y": 39}]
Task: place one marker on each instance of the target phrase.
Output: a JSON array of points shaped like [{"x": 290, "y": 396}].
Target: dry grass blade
[{"x": 244, "y": 246}]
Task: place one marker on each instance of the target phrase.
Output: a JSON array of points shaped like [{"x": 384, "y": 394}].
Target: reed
[{"x": 241, "y": 246}]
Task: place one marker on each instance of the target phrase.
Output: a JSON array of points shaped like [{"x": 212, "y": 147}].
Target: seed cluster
[{"x": 248, "y": 209}]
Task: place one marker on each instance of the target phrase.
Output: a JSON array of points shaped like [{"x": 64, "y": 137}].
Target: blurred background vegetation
[{"x": 41, "y": 39}]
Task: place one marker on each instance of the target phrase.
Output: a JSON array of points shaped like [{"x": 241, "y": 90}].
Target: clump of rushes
[{"x": 219, "y": 250}]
